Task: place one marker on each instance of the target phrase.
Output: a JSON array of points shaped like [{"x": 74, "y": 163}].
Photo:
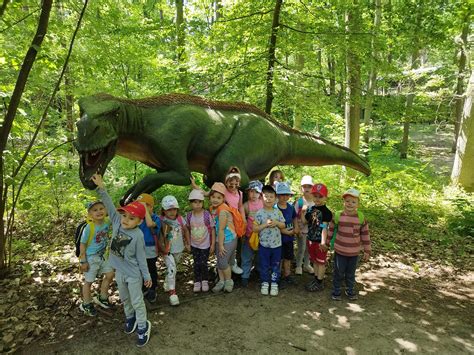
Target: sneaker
[
  {"x": 336, "y": 296},
  {"x": 229, "y": 285},
  {"x": 264, "y": 289},
  {"x": 205, "y": 286},
  {"x": 299, "y": 270},
  {"x": 290, "y": 281},
  {"x": 144, "y": 335},
  {"x": 274, "y": 289},
  {"x": 236, "y": 269},
  {"x": 197, "y": 287},
  {"x": 245, "y": 282},
  {"x": 88, "y": 309},
  {"x": 309, "y": 269},
  {"x": 351, "y": 295},
  {"x": 219, "y": 286},
  {"x": 174, "y": 299},
  {"x": 104, "y": 303},
  {"x": 313, "y": 286},
  {"x": 130, "y": 325},
  {"x": 151, "y": 296}
]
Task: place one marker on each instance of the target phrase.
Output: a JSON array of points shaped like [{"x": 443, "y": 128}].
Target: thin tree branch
[
  {"x": 326, "y": 33},
  {"x": 246, "y": 16},
  {"x": 20, "y": 20}
]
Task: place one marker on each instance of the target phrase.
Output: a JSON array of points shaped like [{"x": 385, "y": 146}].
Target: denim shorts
[{"x": 97, "y": 266}]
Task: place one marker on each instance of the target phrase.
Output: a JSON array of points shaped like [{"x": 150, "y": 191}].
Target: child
[
  {"x": 275, "y": 176},
  {"x": 93, "y": 259},
  {"x": 318, "y": 217},
  {"x": 253, "y": 204},
  {"x": 268, "y": 222},
  {"x": 351, "y": 235},
  {"x": 226, "y": 237},
  {"x": 127, "y": 257},
  {"x": 301, "y": 206},
  {"x": 176, "y": 238},
  {"x": 203, "y": 237},
  {"x": 150, "y": 228},
  {"x": 291, "y": 229}
]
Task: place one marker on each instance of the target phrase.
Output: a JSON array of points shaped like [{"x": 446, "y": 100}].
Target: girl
[
  {"x": 276, "y": 176},
  {"x": 253, "y": 204},
  {"x": 175, "y": 239},
  {"x": 201, "y": 226},
  {"x": 227, "y": 239}
]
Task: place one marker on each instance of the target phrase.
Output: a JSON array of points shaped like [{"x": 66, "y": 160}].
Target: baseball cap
[
  {"x": 147, "y": 198},
  {"x": 169, "y": 202},
  {"x": 320, "y": 189},
  {"x": 219, "y": 187},
  {"x": 307, "y": 180},
  {"x": 255, "y": 185},
  {"x": 196, "y": 195},
  {"x": 91, "y": 204},
  {"x": 283, "y": 188},
  {"x": 135, "y": 208},
  {"x": 351, "y": 192}
]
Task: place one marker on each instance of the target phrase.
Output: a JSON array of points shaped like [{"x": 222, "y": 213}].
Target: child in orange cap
[{"x": 127, "y": 257}]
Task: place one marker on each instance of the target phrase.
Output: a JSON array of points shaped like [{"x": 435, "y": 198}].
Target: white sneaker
[
  {"x": 219, "y": 286},
  {"x": 309, "y": 269},
  {"x": 299, "y": 270},
  {"x": 174, "y": 300},
  {"x": 264, "y": 289},
  {"x": 274, "y": 289},
  {"x": 236, "y": 269},
  {"x": 228, "y": 285}
]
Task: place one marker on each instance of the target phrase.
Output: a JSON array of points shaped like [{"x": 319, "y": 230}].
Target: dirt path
[{"x": 399, "y": 310}]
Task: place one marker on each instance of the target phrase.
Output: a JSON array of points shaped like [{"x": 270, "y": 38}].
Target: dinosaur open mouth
[{"x": 95, "y": 161}]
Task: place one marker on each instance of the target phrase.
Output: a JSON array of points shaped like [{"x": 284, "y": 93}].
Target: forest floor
[{"x": 408, "y": 303}]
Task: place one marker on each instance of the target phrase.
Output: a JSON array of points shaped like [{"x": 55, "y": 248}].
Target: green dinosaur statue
[{"x": 176, "y": 134}]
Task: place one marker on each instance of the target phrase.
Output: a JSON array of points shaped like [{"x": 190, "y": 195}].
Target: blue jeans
[
  {"x": 246, "y": 258},
  {"x": 344, "y": 269},
  {"x": 269, "y": 261}
]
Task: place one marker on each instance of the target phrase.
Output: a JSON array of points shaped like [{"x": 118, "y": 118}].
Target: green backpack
[{"x": 337, "y": 216}]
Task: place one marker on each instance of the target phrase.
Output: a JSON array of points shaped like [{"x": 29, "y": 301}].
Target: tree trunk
[
  {"x": 180, "y": 48},
  {"x": 353, "y": 87},
  {"x": 69, "y": 101},
  {"x": 332, "y": 75},
  {"x": 372, "y": 83},
  {"x": 3, "y": 7},
  {"x": 12, "y": 109},
  {"x": 271, "y": 56},
  {"x": 463, "y": 172},
  {"x": 297, "y": 120},
  {"x": 463, "y": 45}
]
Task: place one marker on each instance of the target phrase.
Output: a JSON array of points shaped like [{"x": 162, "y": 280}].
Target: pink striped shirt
[{"x": 351, "y": 235}]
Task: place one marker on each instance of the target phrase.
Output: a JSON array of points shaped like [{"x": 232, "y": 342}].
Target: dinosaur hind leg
[{"x": 219, "y": 169}]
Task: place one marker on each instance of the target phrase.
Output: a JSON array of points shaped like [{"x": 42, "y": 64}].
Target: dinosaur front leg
[{"x": 154, "y": 181}]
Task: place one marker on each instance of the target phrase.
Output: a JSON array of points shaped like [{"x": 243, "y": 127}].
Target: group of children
[{"x": 139, "y": 236}]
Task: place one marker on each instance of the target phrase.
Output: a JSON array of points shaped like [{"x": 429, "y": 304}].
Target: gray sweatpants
[
  {"x": 131, "y": 295},
  {"x": 302, "y": 254}
]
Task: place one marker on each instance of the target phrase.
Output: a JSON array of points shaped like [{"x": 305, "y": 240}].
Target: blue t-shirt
[
  {"x": 269, "y": 237},
  {"x": 228, "y": 234},
  {"x": 289, "y": 213},
  {"x": 100, "y": 239},
  {"x": 150, "y": 249}
]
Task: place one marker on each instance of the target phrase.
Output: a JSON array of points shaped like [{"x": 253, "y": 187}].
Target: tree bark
[
  {"x": 3, "y": 7},
  {"x": 28, "y": 62},
  {"x": 271, "y": 56},
  {"x": 461, "y": 77},
  {"x": 463, "y": 172},
  {"x": 353, "y": 87},
  {"x": 180, "y": 50}
]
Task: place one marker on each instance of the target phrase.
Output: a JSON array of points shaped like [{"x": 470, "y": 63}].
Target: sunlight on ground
[
  {"x": 349, "y": 350},
  {"x": 467, "y": 344},
  {"x": 319, "y": 332},
  {"x": 354, "y": 307},
  {"x": 407, "y": 345}
]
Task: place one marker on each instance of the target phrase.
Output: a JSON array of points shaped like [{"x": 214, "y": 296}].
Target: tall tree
[
  {"x": 463, "y": 172},
  {"x": 271, "y": 56},
  {"x": 180, "y": 45}
]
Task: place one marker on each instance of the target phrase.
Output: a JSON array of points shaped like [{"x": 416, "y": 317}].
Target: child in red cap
[
  {"x": 127, "y": 257},
  {"x": 318, "y": 217}
]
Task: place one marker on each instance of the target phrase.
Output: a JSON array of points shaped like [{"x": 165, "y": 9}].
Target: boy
[
  {"x": 318, "y": 217},
  {"x": 150, "y": 228},
  {"x": 268, "y": 222},
  {"x": 351, "y": 234},
  {"x": 291, "y": 229},
  {"x": 93, "y": 263},
  {"x": 127, "y": 257},
  {"x": 301, "y": 206}
]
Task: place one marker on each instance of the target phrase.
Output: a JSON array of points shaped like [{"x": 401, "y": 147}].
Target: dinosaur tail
[{"x": 311, "y": 150}]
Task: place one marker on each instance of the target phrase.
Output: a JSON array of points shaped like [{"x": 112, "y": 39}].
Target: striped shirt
[{"x": 351, "y": 235}]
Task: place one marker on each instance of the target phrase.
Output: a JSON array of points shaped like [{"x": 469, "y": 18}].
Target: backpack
[
  {"x": 299, "y": 203},
  {"x": 239, "y": 224},
  {"x": 336, "y": 223},
  {"x": 78, "y": 234},
  {"x": 207, "y": 221}
]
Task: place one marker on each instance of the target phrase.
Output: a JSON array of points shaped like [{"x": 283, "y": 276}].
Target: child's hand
[
  {"x": 97, "y": 179},
  {"x": 222, "y": 251},
  {"x": 84, "y": 267},
  {"x": 324, "y": 247},
  {"x": 271, "y": 223},
  {"x": 366, "y": 256},
  {"x": 188, "y": 248},
  {"x": 211, "y": 250},
  {"x": 147, "y": 283}
]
